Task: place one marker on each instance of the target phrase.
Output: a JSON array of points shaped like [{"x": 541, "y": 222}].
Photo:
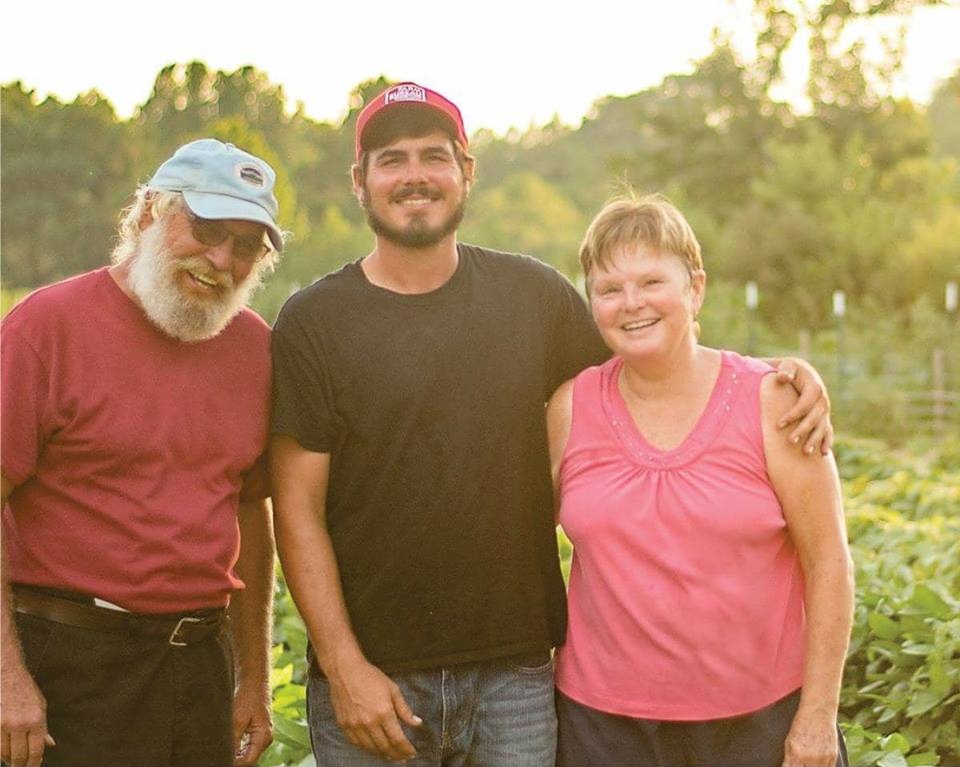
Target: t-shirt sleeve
[
  {"x": 25, "y": 396},
  {"x": 575, "y": 342},
  {"x": 302, "y": 404}
]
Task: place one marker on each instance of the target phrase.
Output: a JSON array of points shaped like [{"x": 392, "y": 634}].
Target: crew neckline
[{"x": 430, "y": 295}]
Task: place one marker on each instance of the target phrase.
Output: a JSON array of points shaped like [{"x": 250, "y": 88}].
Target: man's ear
[
  {"x": 148, "y": 216},
  {"x": 469, "y": 172},
  {"x": 356, "y": 174}
]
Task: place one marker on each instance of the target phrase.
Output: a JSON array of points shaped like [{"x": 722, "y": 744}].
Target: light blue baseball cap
[{"x": 220, "y": 181}]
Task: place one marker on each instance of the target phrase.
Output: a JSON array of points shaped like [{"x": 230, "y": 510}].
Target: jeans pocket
[{"x": 532, "y": 663}]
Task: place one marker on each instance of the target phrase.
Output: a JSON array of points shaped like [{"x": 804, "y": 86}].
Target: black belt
[{"x": 179, "y": 630}]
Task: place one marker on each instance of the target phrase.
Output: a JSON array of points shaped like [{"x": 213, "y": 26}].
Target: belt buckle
[{"x": 174, "y": 639}]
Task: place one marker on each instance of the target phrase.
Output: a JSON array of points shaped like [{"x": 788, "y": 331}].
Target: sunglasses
[{"x": 249, "y": 248}]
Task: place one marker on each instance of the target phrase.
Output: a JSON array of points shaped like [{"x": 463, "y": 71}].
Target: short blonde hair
[{"x": 650, "y": 220}]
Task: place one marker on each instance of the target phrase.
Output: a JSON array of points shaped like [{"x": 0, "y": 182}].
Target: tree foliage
[
  {"x": 66, "y": 171},
  {"x": 855, "y": 195},
  {"x": 945, "y": 119},
  {"x": 525, "y": 214}
]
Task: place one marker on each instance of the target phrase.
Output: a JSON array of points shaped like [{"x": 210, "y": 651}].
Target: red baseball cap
[{"x": 410, "y": 93}]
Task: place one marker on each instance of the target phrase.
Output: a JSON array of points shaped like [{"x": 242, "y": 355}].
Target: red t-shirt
[{"x": 129, "y": 449}]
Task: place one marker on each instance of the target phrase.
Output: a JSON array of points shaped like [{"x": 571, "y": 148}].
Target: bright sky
[{"x": 505, "y": 62}]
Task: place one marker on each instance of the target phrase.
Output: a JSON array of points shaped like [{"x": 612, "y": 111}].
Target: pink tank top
[{"x": 686, "y": 593}]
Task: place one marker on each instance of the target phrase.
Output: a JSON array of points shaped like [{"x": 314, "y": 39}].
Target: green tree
[
  {"x": 823, "y": 219},
  {"x": 799, "y": 236},
  {"x": 525, "y": 214},
  {"x": 944, "y": 116},
  {"x": 66, "y": 172},
  {"x": 930, "y": 257},
  {"x": 705, "y": 133},
  {"x": 187, "y": 98},
  {"x": 849, "y": 92}
]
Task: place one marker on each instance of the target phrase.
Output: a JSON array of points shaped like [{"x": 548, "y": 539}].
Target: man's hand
[
  {"x": 252, "y": 724},
  {"x": 367, "y": 704},
  {"x": 369, "y": 707},
  {"x": 811, "y": 413},
  {"x": 23, "y": 719},
  {"x": 812, "y": 741}
]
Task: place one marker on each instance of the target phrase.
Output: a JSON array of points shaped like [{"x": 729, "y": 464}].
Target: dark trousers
[
  {"x": 590, "y": 737},
  {"x": 117, "y": 700}
]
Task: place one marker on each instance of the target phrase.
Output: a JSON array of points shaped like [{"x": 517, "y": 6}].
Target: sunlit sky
[{"x": 505, "y": 62}]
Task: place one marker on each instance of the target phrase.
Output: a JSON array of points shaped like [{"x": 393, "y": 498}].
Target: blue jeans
[{"x": 496, "y": 712}]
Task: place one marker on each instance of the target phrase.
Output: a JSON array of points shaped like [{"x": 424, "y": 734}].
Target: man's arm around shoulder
[{"x": 810, "y": 411}]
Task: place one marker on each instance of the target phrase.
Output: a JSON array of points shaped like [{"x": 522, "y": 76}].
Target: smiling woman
[
  {"x": 691, "y": 639},
  {"x": 644, "y": 299}
]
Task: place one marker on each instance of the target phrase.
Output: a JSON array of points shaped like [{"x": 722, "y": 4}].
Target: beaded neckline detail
[{"x": 717, "y": 412}]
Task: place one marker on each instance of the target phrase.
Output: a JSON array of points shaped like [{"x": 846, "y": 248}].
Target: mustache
[
  {"x": 200, "y": 265},
  {"x": 415, "y": 190}
]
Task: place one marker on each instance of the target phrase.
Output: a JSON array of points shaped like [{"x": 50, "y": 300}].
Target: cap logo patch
[
  {"x": 251, "y": 174},
  {"x": 405, "y": 93}
]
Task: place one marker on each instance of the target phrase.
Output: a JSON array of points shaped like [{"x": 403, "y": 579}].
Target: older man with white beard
[{"x": 135, "y": 413}]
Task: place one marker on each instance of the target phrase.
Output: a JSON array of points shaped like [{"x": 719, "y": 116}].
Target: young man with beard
[
  {"x": 412, "y": 493},
  {"x": 135, "y": 414}
]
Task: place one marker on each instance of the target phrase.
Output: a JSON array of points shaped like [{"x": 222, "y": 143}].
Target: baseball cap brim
[
  {"x": 401, "y": 111},
  {"x": 220, "y": 206},
  {"x": 394, "y": 99}
]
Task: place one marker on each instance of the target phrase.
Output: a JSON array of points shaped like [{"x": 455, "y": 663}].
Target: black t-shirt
[{"x": 440, "y": 504}]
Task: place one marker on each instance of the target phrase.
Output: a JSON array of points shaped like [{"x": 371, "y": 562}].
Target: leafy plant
[{"x": 901, "y": 692}]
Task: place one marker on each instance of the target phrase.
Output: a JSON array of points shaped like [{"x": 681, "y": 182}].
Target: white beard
[{"x": 154, "y": 279}]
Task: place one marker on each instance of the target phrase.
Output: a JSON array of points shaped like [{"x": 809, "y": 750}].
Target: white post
[
  {"x": 839, "y": 303},
  {"x": 839, "y": 310},
  {"x": 752, "y": 296},
  {"x": 950, "y": 299}
]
